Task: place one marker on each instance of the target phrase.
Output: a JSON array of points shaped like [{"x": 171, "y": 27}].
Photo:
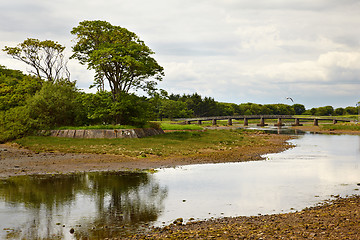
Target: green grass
[
  {"x": 95, "y": 127},
  {"x": 169, "y": 126},
  {"x": 169, "y": 144},
  {"x": 341, "y": 126}
]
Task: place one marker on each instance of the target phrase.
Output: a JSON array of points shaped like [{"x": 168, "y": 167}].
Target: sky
[{"x": 235, "y": 51}]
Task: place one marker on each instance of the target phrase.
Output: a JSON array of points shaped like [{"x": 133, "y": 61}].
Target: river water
[{"x": 99, "y": 205}]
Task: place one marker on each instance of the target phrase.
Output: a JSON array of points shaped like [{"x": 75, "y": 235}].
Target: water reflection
[
  {"x": 105, "y": 205},
  {"x": 279, "y": 130},
  {"x": 95, "y": 205},
  {"x": 319, "y": 167}
]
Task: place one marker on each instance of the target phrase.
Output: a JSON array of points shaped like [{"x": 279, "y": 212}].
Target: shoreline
[
  {"x": 337, "y": 219},
  {"x": 317, "y": 129},
  {"x": 17, "y": 161}
]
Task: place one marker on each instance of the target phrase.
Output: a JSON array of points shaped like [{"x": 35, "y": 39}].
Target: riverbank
[
  {"x": 16, "y": 160},
  {"x": 338, "y": 219},
  {"x": 319, "y": 129}
]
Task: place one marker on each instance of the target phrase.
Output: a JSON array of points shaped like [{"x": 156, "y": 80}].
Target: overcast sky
[{"x": 232, "y": 50}]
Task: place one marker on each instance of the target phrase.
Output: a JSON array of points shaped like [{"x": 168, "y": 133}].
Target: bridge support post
[
  {"x": 262, "y": 122},
  {"x": 279, "y": 123},
  {"x": 334, "y": 121},
  {"x": 297, "y": 122},
  {"x": 214, "y": 122},
  {"x": 246, "y": 123},
  {"x": 187, "y": 122},
  {"x": 229, "y": 122},
  {"x": 199, "y": 122},
  {"x": 316, "y": 122}
]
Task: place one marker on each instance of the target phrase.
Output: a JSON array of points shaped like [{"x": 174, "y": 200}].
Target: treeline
[
  {"x": 183, "y": 106},
  {"x": 28, "y": 103}
]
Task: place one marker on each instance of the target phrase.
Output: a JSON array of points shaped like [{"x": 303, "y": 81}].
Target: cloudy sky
[{"x": 232, "y": 50}]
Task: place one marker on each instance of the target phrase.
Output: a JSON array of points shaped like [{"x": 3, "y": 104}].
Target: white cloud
[
  {"x": 232, "y": 50},
  {"x": 347, "y": 60}
]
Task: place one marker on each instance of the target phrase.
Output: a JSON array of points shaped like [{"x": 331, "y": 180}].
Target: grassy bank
[
  {"x": 341, "y": 126},
  {"x": 174, "y": 143}
]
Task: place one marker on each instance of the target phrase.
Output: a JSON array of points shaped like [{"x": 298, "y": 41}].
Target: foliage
[
  {"x": 299, "y": 108},
  {"x": 116, "y": 54},
  {"x": 15, "y": 123},
  {"x": 56, "y": 105},
  {"x": 171, "y": 109},
  {"x": 351, "y": 110},
  {"x": 46, "y": 57},
  {"x": 15, "y": 88},
  {"x": 129, "y": 110}
]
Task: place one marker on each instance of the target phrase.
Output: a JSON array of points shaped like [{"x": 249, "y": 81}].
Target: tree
[
  {"x": 15, "y": 88},
  {"x": 299, "y": 109},
  {"x": 324, "y": 111},
  {"x": 173, "y": 109},
  {"x": 118, "y": 55},
  {"x": 339, "y": 111},
  {"x": 56, "y": 104},
  {"x": 46, "y": 57}
]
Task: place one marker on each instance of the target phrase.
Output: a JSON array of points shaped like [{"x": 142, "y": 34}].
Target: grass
[
  {"x": 174, "y": 143},
  {"x": 169, "y": 126},
  {"x": 341, "y": 126},
  {"x": 164, "y": 125},
  {"x": 95, "y": 127}
]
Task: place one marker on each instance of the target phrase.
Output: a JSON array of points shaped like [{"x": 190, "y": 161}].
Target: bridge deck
[{"x": 262, "y": 119}]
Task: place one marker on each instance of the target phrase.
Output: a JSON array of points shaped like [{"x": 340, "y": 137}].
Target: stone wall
[{"x": 105, "y": 133}]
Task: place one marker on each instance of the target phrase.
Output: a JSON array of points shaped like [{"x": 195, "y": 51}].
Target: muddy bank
[
  {"x": 18, "y": 161},
  {"x": 339, "y": 219}
]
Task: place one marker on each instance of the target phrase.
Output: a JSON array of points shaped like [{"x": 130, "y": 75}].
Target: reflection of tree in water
[
  {"x": 122, "y": 199},
  {"x": 43, "y": 197},
  {"x": 124, "y": 202}
]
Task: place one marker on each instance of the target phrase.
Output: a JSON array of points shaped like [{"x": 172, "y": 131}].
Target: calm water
[{"x": 99, "y": 205}]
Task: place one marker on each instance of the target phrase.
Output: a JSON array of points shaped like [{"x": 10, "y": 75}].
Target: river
[{"x": 99, "y": 205}]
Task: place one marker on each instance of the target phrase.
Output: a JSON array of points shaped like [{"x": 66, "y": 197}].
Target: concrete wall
[{"x": 105, "y": 133}]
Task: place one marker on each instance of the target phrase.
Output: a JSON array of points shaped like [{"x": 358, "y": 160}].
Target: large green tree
[
  {"x": 46, "y": 58},
  {"x": 118, "y": 55}
]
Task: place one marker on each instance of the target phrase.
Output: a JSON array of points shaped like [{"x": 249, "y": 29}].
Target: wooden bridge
[{"x": 262, "y": 119}]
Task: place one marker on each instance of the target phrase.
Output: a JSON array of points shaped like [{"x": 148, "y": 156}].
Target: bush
[
  {"x": 56, "y": 105},
  {"x": 15, "y": 123}
]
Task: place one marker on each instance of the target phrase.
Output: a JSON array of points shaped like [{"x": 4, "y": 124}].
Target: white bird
[{"x": 290, "y": 99}]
